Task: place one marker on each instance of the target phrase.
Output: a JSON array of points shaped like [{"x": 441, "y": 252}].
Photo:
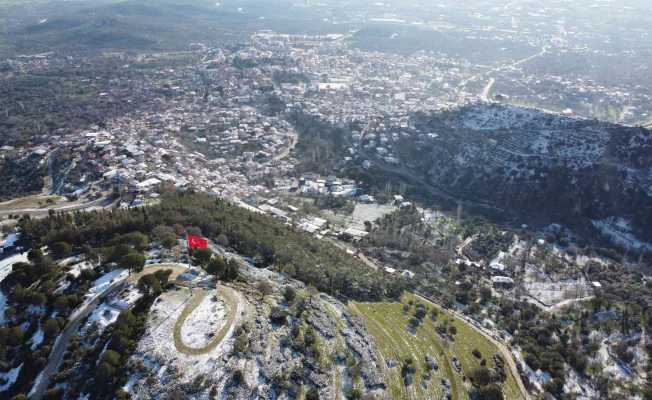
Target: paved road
[
  {"x": 462, "y": 84},
  {"x": 502, "y": 348},
  {"x": 487, "y": 89},
  {"x": 75, "y": 320},
  {"x": 61, "y": 344},
  {"x": 42, "y": 212}
]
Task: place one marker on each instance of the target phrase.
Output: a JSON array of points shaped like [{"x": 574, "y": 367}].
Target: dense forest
[
  {"x": 321, "y": 146},
  {"x": 20, "y": 176},
  {"x": 266, "y": 241}
]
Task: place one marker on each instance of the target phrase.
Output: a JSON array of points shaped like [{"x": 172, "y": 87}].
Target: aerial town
[{"x": 377, "y": 218}]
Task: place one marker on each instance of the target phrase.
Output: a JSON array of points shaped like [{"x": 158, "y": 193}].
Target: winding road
[
  {"x": 103, "y": 202},
  {"x": 61, "y": 344},
  {"x": 77, "y": 317},
  {"x": 502, "y": 347},
  {"x": 487, "y": 89}
]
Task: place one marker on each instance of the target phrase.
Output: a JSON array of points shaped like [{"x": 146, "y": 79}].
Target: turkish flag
[{"x": 196, "y": 242}]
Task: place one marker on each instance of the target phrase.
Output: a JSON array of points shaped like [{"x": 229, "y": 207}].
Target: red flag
[{"x": 196, "y": 242}]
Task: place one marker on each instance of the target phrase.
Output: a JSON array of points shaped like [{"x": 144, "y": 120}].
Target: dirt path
[
  {"x": 559, "y": 306},
  {"x": 230, "y": 299},
  {"x": 34, "y": 211},
  {"x": 502, "y": 348}
]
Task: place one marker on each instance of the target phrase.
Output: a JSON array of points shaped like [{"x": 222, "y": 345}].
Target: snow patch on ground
[
  {"x": 612, "y": 367},
  {"x": 492, "y": 118},
  {"x": 200, "y": 326},
  {"x": 157, "y": 350},
  {"x": 618, "y": 230},
  {"x": 76, "y": 269},
  {"x": 578, "y": 386},
  {"x": 70, "y": 260},
  {"x": 127, "y": 298},
  {"x": 9, "y": 378},
  {"x": 5, "y": 269},
  {"x": 101, "y": 317},
  {"x": 108, "y": 311},
  {"x": 9, "y": 241},
  {"x": 36, "y": 339},
  {"x": 3, "y": 306},
  {"x": 104, "y": 282},
  {"x": 7, "y": 263},
  {"x": 553, "y": 293}
]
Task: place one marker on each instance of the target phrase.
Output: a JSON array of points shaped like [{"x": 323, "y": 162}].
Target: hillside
[
  {"x": 43, "y": 26},
  {"x": 109, "y": 311},
  {"x": 123, "y": 25},
  {"x": 543, "y": 167},
  {"x": 443, "y": 355}
]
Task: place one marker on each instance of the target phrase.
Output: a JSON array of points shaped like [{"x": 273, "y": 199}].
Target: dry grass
[
  {"x": 388, "y": 323},
  {"x": 37, "y": 201}
]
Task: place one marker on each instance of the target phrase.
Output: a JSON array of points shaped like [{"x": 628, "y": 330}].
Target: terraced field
[{"x": 388, "y": 323}]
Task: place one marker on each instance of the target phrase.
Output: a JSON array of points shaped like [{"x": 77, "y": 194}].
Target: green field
[{"x": 388, "y": 323}]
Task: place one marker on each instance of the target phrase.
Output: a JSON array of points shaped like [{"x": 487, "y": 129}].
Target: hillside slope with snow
[{"x": 547, "y": 167}]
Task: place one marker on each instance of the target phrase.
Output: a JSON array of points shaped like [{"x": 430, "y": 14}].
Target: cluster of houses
[{"x": 331, "y": 185}]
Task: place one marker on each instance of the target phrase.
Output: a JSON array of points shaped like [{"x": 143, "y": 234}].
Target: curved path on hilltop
[
  {"x": 230, "y": 298},
  {"x": 177, "y": 269}
]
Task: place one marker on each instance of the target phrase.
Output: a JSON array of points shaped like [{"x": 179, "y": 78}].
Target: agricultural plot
[{"x": 455, "y": 362}]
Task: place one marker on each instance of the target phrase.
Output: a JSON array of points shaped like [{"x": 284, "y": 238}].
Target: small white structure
[
  {"x": 497, "y": 266},
  {"x": 502, "y": 281},
  {"x": 407, "y": 274}
]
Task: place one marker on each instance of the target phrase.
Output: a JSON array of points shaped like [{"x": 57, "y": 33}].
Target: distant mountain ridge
[{"x": 129, "y": 25}]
